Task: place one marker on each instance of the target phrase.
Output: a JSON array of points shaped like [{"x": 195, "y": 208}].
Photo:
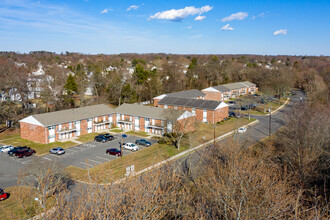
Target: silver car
[{"x": 57, "y": 150}]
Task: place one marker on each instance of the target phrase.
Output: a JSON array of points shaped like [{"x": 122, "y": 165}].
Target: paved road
[
  {"x": 251, "y": 136},
  {"x": 93, "y": 152}
]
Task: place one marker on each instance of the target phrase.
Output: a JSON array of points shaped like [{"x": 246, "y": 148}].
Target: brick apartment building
[
  {"x": 54, "y": 126},
  {"x": 151, "y": 119},
  {"x": 188, "y": 94},
  {"x": 205, "y": 110},
  {"x": 230, "y": 90},
  {"x": 60, "y": 125}
]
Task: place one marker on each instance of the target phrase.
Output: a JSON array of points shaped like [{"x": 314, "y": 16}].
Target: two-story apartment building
[
  {"x": 187, "y": 94},
  {"x": 55, "y": 126},
  {"x": 206, "y": 110},
  {"x": 150, "y": 119},
  {"x": 230, "y": 90}
]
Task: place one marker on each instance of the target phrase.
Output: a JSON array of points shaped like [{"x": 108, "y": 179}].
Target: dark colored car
[
  {"x": 3, "y": 195},
  {"x": 231, "y": 102},
  {"x": 103, "y": 138},
  {"x": 143, "y": 142},
  {"x": 24, "y": 153},
  {"x": 244, "y": 108},
  {"x": 231, "y": 114},
  {"x": 13, "y": 151},
  {"x": 113, "y": 151}
]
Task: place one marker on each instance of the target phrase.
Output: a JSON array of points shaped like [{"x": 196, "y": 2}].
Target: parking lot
[{"x": 83, "y": 156}]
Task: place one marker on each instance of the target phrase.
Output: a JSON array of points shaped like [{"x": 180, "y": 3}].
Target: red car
[
  {"x": 3, "y": 195},
  {"x": 24, "y": 153},
  {"x": 113, "y": 151}
]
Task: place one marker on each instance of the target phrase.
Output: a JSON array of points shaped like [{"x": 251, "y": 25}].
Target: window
[
  {"x": 122, "y": 117},
  {"x": 162, "y": 122},
  {"x": 95, "y": 119},
  {"x": 175, "y": 107},
  {"x": 204, "y": 115},
  {"x": 130, "y": 118},
  {"x": 147, "y": 119},
  {"x": 165, "y": 106}
]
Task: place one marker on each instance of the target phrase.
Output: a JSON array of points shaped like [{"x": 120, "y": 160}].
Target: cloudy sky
[{"x": 172, "y": 26}]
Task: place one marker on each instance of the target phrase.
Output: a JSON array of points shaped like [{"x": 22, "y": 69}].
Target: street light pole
[{"x": 270, "y": 120}]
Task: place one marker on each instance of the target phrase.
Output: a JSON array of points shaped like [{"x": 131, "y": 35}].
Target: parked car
[
  {"x": 3, "y": 195},
  {"x": 143, "y": 142},
  {"x": 241, "y": 130},
  {"x": 244, "y": 108},
  {"x": 113, "y": 151},
  {"x": 131, "y": 146},
  {"x": 252, "y": 106},
  {"x": 15, "y": 149},
  {"x": 103, "y": 138},
  {"x": 232, "y": 114},
  {"x": 57, "y": 150},
  {"x": 24, "y": 153},
  {"x": 231, "y": 103},
  {"x": 6, "y": 148}
]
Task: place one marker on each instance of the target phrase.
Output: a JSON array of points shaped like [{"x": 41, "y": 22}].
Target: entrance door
[
  {"x": 51, "y": 131},
  {"x": 90, "y": 126},
  {"x": 78, "y": 128}
]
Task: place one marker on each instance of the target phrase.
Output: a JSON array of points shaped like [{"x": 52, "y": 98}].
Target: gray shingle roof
[
  {"x": 142, "y": 111},
  {"x": 192, "y": 103},
  {"x": 221, "y": 88},
  {"x": 236, "y": 85},
  {"x": 59, "y": 117},
  {"x": 192, "y": 93},
  {"x": 249, "y": 83}
]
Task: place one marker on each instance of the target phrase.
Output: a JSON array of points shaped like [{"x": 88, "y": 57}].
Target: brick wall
[
  {"x": 34, "y": 133},
  {"x": 219, "y": 114},
  {"x": 186, "y": 125},
  {"x": 216, "y": 96},
  {"x": 156, "y": 102},
  {"x": 142, "y": 123},
  {"x": 83, "y": 127}
]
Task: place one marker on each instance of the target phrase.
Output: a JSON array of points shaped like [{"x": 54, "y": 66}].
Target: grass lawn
[
  {"x": 39, "y": 148},
  {"x": 115, "y": 169},
  {"x": 87, "y": 137},
  {"x": 116, "y": 130},
  {"x": 138, "y": 133},
  {"x": 13, "y": 207}
]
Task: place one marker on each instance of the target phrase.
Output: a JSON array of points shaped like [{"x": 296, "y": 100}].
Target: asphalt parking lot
[{"x": 83, "y": 156}]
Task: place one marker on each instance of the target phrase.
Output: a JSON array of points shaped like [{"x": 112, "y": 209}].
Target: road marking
[
  {"x": 86, "y": 164},
  {"x": 95, "y": 161},
  {"x": 102, "y": 158},
  {"x": 47, "y": 158},
  {"x": 26, "y": 162},
  {"x": 72, "y": 150}
]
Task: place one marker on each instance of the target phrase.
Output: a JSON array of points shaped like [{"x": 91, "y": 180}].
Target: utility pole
[
  {"x": 270, "y": 120},
  {"x": 122, "y": 140}
]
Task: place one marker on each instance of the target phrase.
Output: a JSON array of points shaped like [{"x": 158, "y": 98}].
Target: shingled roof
[
  {"x": 192, "y": 103},
  {"x": 69, "y": 115},
  {"x": 188, "y": 94}
]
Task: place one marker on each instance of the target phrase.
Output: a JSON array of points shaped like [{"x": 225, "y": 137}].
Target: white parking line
[
  {"x": 72, "y": 150},
  {"x": 26, "y": 161},
  {"x": 86, "y": 164},
  {"x": 47, "y": 158},
  {"x": 95, "y": 161},
  {"x": 102, "y": 158}
]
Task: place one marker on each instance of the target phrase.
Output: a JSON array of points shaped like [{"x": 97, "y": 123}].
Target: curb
[
  {"x": 279, "y": 108},
  {"x": 159, "y": 164}
]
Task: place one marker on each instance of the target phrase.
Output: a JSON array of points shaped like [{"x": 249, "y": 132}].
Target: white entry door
[
  {"x": 78, "y": 128},
  {"x": 51, "y": 131},
  {"x": 90, "y": 126}
]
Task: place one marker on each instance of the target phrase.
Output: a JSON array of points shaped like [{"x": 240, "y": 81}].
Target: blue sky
[{"x": 171, "y": 26}]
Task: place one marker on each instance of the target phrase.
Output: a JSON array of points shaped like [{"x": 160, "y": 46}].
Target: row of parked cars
[
  {"x": 128, "y": 146},
  {"x": 20, "y": 152}
]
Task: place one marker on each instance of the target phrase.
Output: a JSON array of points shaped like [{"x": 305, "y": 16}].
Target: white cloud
[
  {"x": 132, "y": 7},
  {"x": 200, "y": 18},
  {"x": 281, "y": 31},
  {"x": 189, "y": 27},
  {"x": 179, "y": 14},
  {"x": 227, "y": 28},
  {"x": 106, "y": 11},
  {"x": 237, "y": 16}
]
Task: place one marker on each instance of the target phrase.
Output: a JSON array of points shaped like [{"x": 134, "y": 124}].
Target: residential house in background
[
  {"x": 205, "y": 110},
  {"x": 188, "y": 94}
]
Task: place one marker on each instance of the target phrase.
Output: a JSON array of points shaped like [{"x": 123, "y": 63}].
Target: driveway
[{"x": 83, "y": 156}]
